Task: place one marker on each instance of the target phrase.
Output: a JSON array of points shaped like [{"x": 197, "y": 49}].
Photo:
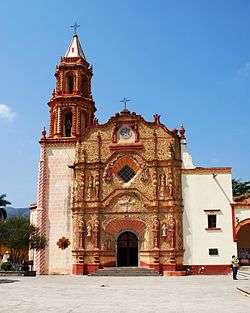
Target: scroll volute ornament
[{"x": 63, "y": 243}]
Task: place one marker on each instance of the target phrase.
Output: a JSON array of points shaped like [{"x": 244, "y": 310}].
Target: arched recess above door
[{"x": 116, "y": 226}]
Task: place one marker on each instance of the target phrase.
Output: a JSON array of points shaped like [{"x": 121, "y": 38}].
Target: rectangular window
[
  {"x": 211, "y": 220},
  {"x": 213, "y": 251}
]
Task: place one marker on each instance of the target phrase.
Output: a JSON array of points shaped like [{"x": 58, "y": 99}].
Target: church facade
[{"x": 124, "y": 193}]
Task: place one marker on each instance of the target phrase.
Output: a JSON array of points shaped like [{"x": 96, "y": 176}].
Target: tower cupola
[{"x": 72, "y": 107}]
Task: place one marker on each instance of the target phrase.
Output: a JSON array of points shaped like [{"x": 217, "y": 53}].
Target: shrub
[{"x": 6, "y": 266}]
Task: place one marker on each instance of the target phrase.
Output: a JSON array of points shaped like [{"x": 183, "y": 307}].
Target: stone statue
[
  {"x": 89, "y": 230},
  {"x": 164, "y": 230}
]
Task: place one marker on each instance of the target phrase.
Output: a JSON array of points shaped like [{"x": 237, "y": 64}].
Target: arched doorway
[
  {"x": 127, "y": 249},
  {"x": 243, "y": 243}
]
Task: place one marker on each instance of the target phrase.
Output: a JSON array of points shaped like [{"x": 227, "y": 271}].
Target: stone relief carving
[
  {"x": 108, "y": 174},
  {"x": 170, "y": 184},
  {"x": 90, "y": 187},
  {"x": 126, "y": 203},
  {"x": 145, "y": 176},
  {"x": 162, "y": 186},
  {"x": 156, "y": 226},
  {"x": 93, "y": 185},
  {"x": 171, "y": 232},
  {"x": 95, "y": 234}
]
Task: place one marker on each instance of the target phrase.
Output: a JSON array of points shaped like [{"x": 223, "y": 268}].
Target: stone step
[{"x": 125, "y": 271}]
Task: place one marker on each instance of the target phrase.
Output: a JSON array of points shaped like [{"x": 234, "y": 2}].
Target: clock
[{"x": 125, "y": 132}]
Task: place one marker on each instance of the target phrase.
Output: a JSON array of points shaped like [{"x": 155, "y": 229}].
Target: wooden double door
[{"x": 127, "y": 249}]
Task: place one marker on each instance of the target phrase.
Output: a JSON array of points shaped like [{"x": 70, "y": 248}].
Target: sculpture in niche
[
  {"x": 164, "y": 230},
  {"x": 89, "y": 230},
  {"x": 96, "y": 186}
]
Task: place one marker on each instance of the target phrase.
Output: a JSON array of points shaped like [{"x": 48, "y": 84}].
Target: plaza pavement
[{"x": 80, "y": 294}]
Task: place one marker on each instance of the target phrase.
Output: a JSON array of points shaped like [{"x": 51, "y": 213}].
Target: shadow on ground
[{"x": 7, "y": 281}]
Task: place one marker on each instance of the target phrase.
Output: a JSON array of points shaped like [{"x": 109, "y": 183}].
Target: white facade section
[
  {"x": 60, "y": 178},
  {"x": 203, "y": 192}
]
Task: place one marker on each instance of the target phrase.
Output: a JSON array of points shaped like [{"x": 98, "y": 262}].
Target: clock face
[{"x": 125, "y": 132}]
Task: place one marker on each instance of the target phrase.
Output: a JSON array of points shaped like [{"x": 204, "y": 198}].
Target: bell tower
[{"x": 71, "y": 106}]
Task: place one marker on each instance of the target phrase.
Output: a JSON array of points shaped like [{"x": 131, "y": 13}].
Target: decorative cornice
[
  {"x": 206, "y": 170},
  {"x": 126, "y": 147}
]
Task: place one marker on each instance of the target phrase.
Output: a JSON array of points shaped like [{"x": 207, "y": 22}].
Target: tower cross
[
  {"x": 74, "y": 27},
  {"x": 125, "y": 101}
]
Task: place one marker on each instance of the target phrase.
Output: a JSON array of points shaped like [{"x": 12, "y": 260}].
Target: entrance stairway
[{"x": 125, "y": 271}]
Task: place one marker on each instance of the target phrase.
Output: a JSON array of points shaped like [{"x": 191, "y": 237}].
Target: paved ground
[{"x": 74, "y": 294}]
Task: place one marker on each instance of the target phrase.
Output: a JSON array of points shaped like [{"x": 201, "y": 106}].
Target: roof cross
[
  {"x": 125, "y": 101},
  {"x": 74, "y": 27}
]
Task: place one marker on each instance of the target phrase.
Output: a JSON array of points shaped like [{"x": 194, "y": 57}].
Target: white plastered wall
[
  {"x": 60, "y": 178},
  {"x": 207, "y": 192}
]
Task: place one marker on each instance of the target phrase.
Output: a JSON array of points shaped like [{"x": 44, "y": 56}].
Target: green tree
[
  {"x": 17, "y": 235},
  {"x": 240, "y": 187},
  {"x": 3, "y": 203}
]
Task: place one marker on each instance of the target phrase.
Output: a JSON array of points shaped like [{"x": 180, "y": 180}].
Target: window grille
[{"x": 126, "y": 173}]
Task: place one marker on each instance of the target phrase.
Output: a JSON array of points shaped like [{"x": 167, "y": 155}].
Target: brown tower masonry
[{"x": 71, "y": 106}]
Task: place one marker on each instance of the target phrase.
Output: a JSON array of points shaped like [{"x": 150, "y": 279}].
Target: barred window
[{"x": 126, "y": 173}]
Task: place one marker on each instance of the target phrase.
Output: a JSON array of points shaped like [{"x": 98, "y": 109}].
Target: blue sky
[{"x": 186, "y": 60}]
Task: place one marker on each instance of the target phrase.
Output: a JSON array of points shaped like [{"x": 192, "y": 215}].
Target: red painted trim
[
  {"x": 233, "y": 222},
  {"x": 153, "y": 266},
  {"x": 222, "y": 269},
  {"x": 81, "y": 269},
  {"x": 78, "y": 269},
  {"x": 241, "y": 205},
  {"x": 174, "y": 273}
]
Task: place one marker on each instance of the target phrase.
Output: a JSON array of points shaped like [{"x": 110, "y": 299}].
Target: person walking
[{"x": 234, "y": 265}]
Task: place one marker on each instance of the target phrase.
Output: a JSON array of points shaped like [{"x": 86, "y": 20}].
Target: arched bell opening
[
  {"x": 70, "y": 81},
  {"x": 68, "y": 124},
  {"x": 127, "y": 249}
]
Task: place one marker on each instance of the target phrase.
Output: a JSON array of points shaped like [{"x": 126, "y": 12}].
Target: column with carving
[
  {"x": 59, "y": 126},
  {"x": 51, "y": 128}
]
